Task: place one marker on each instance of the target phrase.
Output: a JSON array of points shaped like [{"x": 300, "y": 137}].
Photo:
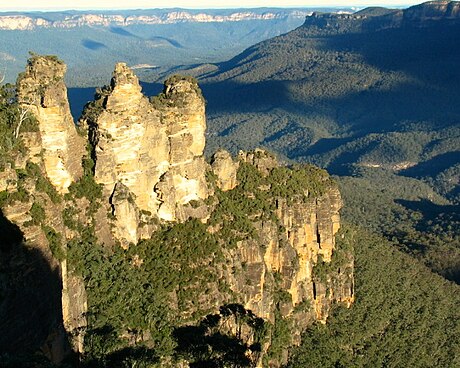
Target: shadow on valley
[
  {"x": 336, "y": 86},
  {"x": 417, "y": 51},
  {"x": 433, "y": 166},
  {"x": 430, "y": 211},
  {"x": 169, "y": 41},
  {"x": 93, "y": 45},
  {"x": 30, "y": 303},
  {"x": 122, "y": 32}
]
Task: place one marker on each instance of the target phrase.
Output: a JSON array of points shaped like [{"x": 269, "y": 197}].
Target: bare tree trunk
[
  {"x": 22, "y": 117},
  {"x": 2, "y": 75}
]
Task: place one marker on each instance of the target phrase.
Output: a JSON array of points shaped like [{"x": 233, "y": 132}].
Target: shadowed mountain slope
[{"x": 378, "y": 87}]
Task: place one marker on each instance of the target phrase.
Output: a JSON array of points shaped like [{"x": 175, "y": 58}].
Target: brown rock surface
[
  {"x": 225, "y": 168},
  {"x": 149, "y": 161},
  {"x": 154, "y": 150},
  {"x": 42, "y": 92}
]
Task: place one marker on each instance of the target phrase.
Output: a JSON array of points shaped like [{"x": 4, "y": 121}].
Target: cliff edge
[{"x": 151, "y": 241}]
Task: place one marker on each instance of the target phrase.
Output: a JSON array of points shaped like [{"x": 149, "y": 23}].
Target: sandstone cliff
[
  {"x": 240, "y": 237},
  {"x": 34, "y": 184},
  {"x": 31, "y": 22},
  {"x": 148, "y": 156},
  {"x": 42, "y": 92}
]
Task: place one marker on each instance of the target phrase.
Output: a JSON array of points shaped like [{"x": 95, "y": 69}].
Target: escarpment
[
  {"x": 153, "y": 243},
  {"x": 376, "y": 19}
]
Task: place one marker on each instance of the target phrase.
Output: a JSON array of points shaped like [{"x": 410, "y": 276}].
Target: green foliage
[
  {"x": 93, "y": 109},
  {"x": 42, "y": 183},
  {"x": 9, "y": 145},
  {"x": 167, "y": 99},
  {"x": 146, "y": 289},
  {"x": 33, "y": 57},
  {"x": 54, "y": 242},
  {"x": 407, "y": 212},
  {"x": 21, "y": 195},
  {"x": 37, "y": 213},
  {"x": 281, "y": 338},
  {"x": 86, "y": 186},
  {"x": 403, "y": 315},
  {"x": 340, "y": 259},
  {"x": 299, "y": 180},
  {"x": 68, "y": 217},
  {"x": 3, "y": 197},
  {"x": 176, "y": 78},
  {"x": 255, "y": 197}
]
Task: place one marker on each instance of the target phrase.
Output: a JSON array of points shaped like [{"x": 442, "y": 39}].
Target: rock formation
[
  {"x": 144, "y": 172},
  {"x": 153, "y": 151},
  {"x": 225, "y": 169},
  {"x": 42, "y": 93}
]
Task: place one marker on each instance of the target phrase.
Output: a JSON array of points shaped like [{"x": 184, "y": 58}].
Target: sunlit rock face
[
  {"x": 148, "y": 158},
  {"x": 284, "y": 258},
  {"x": 42, "y": 92},
  {"x": 225, "y": 168},
  {"x": 154, "y": 149}
]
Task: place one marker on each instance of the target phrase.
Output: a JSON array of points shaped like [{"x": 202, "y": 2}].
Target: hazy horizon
[{"x": 56, "y": 5}]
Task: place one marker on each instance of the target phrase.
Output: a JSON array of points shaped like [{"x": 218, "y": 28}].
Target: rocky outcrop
[
  {"x": 225, "y": 169},
  {"x": 153, "y": 150},
  {"x": 42, "y": 93},
  {"x": 272, "y": 228},
  {"x": 432, "y": 10},
  {"x": 282, "y": 257},
  {"x": 42, "y": 173}
]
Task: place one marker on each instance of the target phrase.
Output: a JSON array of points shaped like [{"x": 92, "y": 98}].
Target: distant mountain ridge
[
  {"x": 376, "y": 18},
  {"x": 346, "y": 88},
  {"x": 30, "y": 21},
  {"x": 91, "y": 42}
]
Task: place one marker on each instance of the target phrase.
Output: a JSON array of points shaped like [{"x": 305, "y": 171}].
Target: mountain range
[
  {"x": 343, "y": 80},
  {"x": 373, "y": 98},
  {"x": 125, "y": 241},
  {"x": 93, "y": 41}
]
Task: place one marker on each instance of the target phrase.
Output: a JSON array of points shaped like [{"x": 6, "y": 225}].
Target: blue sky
[{"x": 137, "y": 4}]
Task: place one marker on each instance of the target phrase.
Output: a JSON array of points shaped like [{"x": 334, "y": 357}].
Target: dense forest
[{"x": 370, "y": 100}]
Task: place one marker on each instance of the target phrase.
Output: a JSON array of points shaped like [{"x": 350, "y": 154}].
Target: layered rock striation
[
  {"x": 43, "y": 94},
  {"x": 32, "y": 22},
  {"x": 148, "y": 156}
]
